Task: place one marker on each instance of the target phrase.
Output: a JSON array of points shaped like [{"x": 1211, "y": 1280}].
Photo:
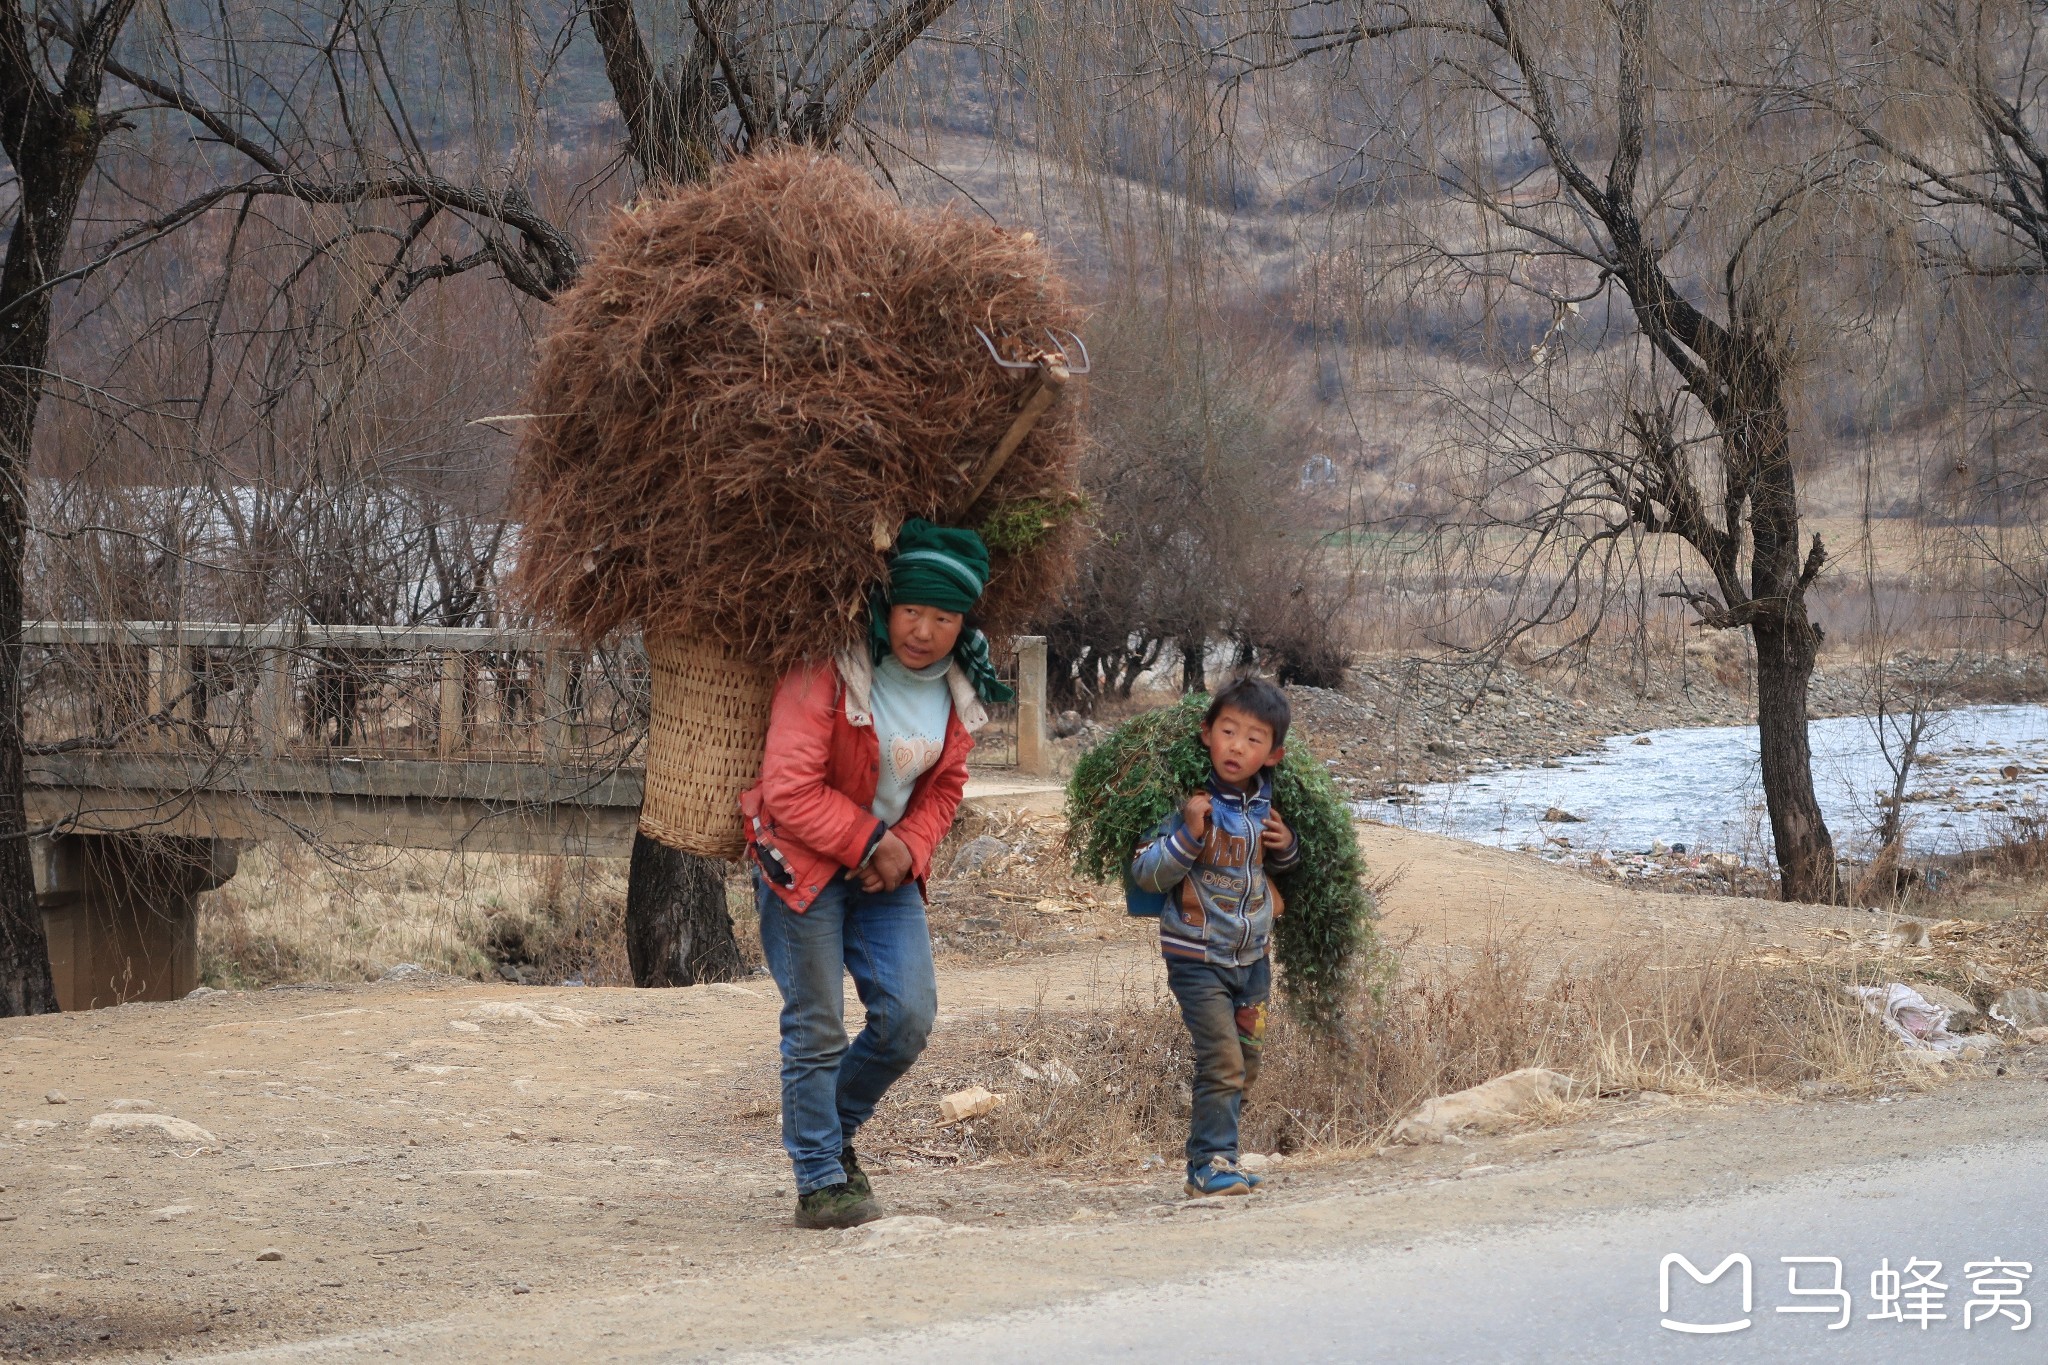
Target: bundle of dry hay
[{"x": 751, "y": 376}]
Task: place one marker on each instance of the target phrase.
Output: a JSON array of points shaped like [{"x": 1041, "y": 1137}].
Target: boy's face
[{"x": 1239, "y": 745}]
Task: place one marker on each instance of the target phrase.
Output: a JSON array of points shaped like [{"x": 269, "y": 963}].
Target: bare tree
[
  {"x": 344, "y": 165},
  {"x": 1953, "y": 96},
  {"x": 1901, "y": 734},
  {"x": 1609, "y": 162},
  {"x": 52, "y": 126},
  {"x": 1198, "y": 538}
]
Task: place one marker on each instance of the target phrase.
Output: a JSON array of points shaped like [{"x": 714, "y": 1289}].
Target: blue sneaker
[{"x": 1219, "y": 1176}]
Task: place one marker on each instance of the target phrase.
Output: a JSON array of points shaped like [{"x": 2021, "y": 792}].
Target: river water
[{"x": 1700, "y": 788}]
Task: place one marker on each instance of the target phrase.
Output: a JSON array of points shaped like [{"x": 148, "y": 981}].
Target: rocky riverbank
[{"x": 1402, "y": 721}]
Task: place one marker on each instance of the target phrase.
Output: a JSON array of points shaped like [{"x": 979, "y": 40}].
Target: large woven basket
[{"x": 707, "y": 726}]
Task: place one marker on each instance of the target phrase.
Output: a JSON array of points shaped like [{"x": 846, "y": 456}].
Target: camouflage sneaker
[
  {"x": 835, "y": 1206},
  {"x": 856, "y": 1178}
]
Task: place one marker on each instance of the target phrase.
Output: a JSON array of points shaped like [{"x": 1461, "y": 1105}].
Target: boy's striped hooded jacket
[{"x": 1220, "y": 903}]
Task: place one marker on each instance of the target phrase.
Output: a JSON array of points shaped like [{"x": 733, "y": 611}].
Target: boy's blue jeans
[
  {"x": 1225, "y": 1010},
  {"x": 828, "y": 1088}
]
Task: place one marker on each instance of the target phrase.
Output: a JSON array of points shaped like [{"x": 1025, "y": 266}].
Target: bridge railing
[{"x": 450, "y": 694}]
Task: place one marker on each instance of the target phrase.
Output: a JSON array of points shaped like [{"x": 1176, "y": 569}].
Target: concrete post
[
  {"x": 122, "y": 913},
  {"x": 273, "y": 718},
  {"x": 450, "y": 728},
  {"x": 1034, "y": 744},
  {"x": 555, "y": 734}
]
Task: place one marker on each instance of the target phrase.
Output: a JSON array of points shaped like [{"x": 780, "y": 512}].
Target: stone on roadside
[
  {"x": 270, "y": 1254},
  {"x": 2022, "y": 1007},
  {"x": 176, "y": 1129},
  {"x": 980, "y": 852},
  {"x": 1496, "y": 1104},
  {"x": 540, "y": 1016},
  {"x": 405, "y": 971},
  {"x": 56, "y": 1097},
  {"x": 1963, "y": 1017},
  {"x": 1911, "y": 933},
  {"x": 171, "y": 1211},
  {"x": 901, "y": 1228},
  {"x": 1259, "y": 1162}
]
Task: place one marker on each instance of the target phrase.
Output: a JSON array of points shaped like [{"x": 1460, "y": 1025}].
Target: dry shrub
[
  {"x": 290, "y": 915},
  {"x": 749, "y": 374},
  {"x": 1111, "y": 1084}
]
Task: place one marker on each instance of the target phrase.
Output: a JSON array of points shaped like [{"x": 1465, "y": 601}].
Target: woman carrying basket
[{"x": 865, "y": 764}]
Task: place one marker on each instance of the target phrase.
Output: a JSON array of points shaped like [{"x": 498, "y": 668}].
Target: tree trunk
[
  {"x": 678, "y": 931},
  {"x": 1194, "y": 675},
  {"x": 53, "y": 142},
  {"x": 1806, "y": 852},
  {"x": 1787, "y": 640},
  {"x": 25, "y": 984}
]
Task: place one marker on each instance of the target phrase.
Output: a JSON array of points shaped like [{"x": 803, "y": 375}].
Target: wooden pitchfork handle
[{"x": 1052, "y": 379}]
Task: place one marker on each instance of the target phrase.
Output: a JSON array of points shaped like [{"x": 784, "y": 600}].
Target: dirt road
[{"x": 448, "y": 1170}]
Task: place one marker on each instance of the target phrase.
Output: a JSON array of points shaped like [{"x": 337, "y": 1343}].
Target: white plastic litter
[{"x": 1919, "y": 1024}]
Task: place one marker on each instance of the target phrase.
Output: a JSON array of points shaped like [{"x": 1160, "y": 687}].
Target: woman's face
[{"x": 921, "y": 636}]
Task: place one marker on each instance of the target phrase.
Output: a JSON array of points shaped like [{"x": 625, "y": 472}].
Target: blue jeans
[
  {"x": 1225, "y": 1011},
  {"x": 828, "y": 1088}
]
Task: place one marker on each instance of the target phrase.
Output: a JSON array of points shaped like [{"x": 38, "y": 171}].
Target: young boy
[{"x": 1211, "y": 860}]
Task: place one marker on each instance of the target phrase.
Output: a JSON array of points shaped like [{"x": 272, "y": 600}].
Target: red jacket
[{"x": 818, "y": 779}]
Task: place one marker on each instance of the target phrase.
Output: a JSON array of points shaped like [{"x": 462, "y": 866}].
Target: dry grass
[
  {"x": 290, "y": 915},
  {"x": 750, "y": 375},
  {"x": 1113, "y": 1084}
]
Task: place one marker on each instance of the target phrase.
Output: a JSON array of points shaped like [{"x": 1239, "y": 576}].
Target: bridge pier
[{"x": 122, "y": 913}]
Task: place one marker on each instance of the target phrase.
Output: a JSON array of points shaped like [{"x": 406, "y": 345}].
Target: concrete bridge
[{"x": 156, "y": 749}]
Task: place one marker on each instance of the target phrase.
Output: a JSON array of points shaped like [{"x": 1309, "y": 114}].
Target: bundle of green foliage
[{"x": 1127, "y": 784}]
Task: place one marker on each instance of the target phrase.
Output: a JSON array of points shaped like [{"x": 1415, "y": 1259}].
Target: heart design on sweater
[{"x": 910, "y": 755}]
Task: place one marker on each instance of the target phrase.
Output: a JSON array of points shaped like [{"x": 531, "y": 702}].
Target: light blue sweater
[{"x": 910, "y": 709}]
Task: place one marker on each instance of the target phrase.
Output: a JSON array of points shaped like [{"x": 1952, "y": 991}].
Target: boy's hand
[
  {"x": 1274, "y": 837},
  {"x": 1195, "y": 815}
]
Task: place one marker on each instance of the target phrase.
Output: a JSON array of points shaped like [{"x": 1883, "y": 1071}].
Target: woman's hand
[
  {"x": 1275, "y": 836},
  {"x": 889, "y": 868}
]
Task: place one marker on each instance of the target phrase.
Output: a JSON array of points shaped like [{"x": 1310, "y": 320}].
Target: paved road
[{"x": 1585, "y": 1289}]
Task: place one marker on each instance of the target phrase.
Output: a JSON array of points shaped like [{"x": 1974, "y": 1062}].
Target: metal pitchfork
[{"x": 1054, "y": 367}]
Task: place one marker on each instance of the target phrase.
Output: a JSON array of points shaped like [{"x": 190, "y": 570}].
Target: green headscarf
[{"x": 944, "y": 567}]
